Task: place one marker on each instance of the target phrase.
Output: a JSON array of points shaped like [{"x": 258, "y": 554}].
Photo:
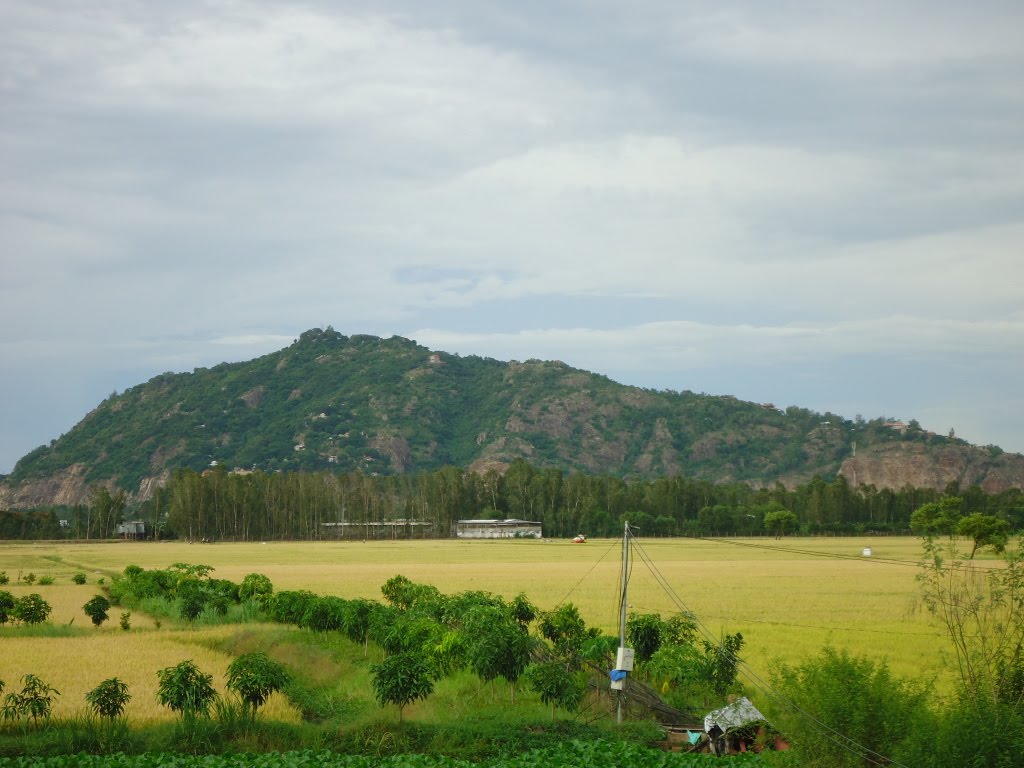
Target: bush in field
[
  {"x": 96, "y": 609},
  {"x": 138, "y": 584},
  {"x": 257, "y": 587},
  {"x": 402, "y": 679},
  {"x": 29, "y": 578},
  {"x": 185, "y": 689},
  {"x": 78, "y": 578},
  {"x": 289, "y": 607},
  {"x": 356, "y": 620},
  {"x": 856, "y": 697},
  {"x": 192, "y": 600},
  {"x": 325, "y": 614},
  {"x": 4, "y": 578},
  {"x": 35, "y": 700},
  {"x": 125, "y": 622},
  {"x": 45, "y": 581},
  {"x": 109, "y": 698},
  {"x": 6, "y": 607},
  {"x": 31, "y": 609},
  {"x": 254, "y": 676}
]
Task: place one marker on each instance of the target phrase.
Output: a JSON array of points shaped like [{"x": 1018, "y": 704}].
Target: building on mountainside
[{"x": 498, "y": 529}]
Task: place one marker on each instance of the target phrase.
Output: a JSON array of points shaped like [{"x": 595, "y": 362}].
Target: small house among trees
[
  {"x": 498, "y": 529},
  {"x": 131, "y": 529}
]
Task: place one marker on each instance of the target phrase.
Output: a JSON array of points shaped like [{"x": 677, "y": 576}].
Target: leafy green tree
[
  {"x": 192, "y": 599},
  {"x": 6, "y": 607},
  {"x": 254, "y": 677},
  {"x": 356, "y": 621},
  {"x": 780, "y": 522},
  {"x": 643, "y": 634},
  {"x": 109, "y": 698},
  {"x": 557, "y": 685},
  {"x": 402, "y": 679},
  {"x": 31, "y": 609},
  {"x": 723, "y": 661},
  {"x": 984, "y": 531},
  {"x": 96, "y": 609},
  {"x": 937, "y": 517},
  {"x": 496, "y": 645},
  {"x": 78, "y": 578},
  {"x": 185, "y": 689},
  {"x": 523, "y": 610},
  {"x": 257, "y": 587},
  {"x": 566, "y": 631}
]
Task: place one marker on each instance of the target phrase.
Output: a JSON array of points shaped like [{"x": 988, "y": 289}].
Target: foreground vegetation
[{"x": 941, "y": 718}]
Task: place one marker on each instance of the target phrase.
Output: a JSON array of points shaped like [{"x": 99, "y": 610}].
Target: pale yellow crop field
[
  {"x": 788, "y": 600},
  {"x": 75, "y": 665}
]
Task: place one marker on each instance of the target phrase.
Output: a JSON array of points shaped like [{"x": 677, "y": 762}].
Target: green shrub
[
  {"x": 6, "y": 607},
  {"x": 78, "y": 578},
  {"x": 109, "y": 698},
  {"x": 4, "y": 578},
  {"x": 125, "y": 622},
  {"x": 45, "y": 581},
  {"x": 256, "y": 586},
  {"x": 185, "y": 689},
  {"x": 31, "y": 609},
  {"x": 96, "y": 609},
  {"x": 402, "y": 679},
  {"x": 849, "y": 695},
  {"x": 254, "y": 676},
  {"x": 35, "y": 700}
]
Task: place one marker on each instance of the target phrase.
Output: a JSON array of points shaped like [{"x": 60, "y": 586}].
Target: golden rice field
[{"x": 788, "y": 597}]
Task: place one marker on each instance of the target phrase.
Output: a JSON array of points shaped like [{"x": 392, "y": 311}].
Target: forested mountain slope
[{"x": 391, "y": 406}]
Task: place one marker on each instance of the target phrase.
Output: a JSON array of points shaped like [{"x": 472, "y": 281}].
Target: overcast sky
[{"x": 815, "y": 204}]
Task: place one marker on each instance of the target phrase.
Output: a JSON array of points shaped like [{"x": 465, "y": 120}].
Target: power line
[
  {"x": 772, "y": 622},
  {"x": 585, "y": 575},
  {"x": 812, "y": 553},
  {"x": 831, "y": 734}
]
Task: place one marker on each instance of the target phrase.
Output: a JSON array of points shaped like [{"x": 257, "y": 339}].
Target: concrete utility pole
[{"x": 622, "y": 610}]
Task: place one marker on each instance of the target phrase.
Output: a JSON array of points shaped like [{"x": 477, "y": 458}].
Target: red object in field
[{"x": 581, "y": 539}]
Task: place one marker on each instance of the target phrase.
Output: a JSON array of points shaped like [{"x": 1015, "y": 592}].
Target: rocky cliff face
[
  {"x": 895, "y": 465},
  {"x": 67, "y": 487}
]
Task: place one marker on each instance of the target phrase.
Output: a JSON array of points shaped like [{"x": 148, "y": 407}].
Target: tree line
[{"x": 221, "y": 505}]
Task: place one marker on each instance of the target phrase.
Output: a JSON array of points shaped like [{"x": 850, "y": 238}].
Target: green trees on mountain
[{"x": 391, "y": 407}]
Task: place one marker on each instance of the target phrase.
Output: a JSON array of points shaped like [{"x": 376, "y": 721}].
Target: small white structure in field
[
  {"x": 498, "y": 529},
  {"x": 867, "y": 552}
]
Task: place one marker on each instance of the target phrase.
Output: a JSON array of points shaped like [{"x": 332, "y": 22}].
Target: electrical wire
[
  {"x": 770, "y": 622},
  {"x": 831, "y": 734},
  {"x": 810, "y": 552},
  {"x": 587, "y": 574}
]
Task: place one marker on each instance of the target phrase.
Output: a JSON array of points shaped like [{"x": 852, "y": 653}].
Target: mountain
[{"x": 391, "y": 406}]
